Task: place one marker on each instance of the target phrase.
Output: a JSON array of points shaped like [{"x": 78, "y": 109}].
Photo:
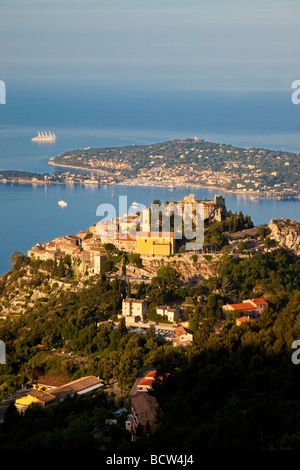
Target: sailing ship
[{"x": 44, "y": 137}]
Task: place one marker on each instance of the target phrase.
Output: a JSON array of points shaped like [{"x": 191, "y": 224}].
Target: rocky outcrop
[
  {"x": 287, "y": 233},
  {"x": 190, "y": 269}
]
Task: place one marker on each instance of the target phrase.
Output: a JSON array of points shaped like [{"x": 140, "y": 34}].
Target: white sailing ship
[{"x": 44, "y": 137}]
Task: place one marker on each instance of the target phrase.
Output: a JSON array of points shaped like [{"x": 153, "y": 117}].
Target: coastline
[
  {"x": 59, "y": 165},
  {"x": 46, "y": 183},
  {"x": 168, "y": 184}
]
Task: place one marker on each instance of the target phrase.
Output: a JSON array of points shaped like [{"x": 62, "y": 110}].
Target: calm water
[{"x": 30, "y": 214}]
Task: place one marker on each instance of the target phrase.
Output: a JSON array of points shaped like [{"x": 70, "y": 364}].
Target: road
[{"x": 130, "y": 278}]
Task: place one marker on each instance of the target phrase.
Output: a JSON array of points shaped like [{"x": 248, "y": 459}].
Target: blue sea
[{"x": 101, "y": 118}]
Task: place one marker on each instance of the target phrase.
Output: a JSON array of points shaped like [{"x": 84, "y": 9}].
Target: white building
[
  {"x": 134, "y": 307},
  {"x": 134, "y": 310},
  {"x": 168, "y": 312}
]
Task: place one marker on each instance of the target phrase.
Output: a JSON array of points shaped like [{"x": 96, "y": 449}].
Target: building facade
[
  {"x": 252, "y": 308},
  {"x": 155, "y": 243},
  {"x": 168, "y": 312},
  {"x": 145, "y": 412},
  {"x": 134, "y": 307}
]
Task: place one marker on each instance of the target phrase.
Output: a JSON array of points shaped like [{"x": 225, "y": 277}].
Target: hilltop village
[
  {"x": 93, "y": 251},
  {"x": 90, "y": 318}
]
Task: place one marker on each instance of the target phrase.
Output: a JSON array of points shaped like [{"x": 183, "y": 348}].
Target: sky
[{"x": 151, "y": 45}]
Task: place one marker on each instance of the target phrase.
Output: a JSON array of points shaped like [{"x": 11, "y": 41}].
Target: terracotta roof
[
  {"x": 45, "y": 397},
  {"x": 130, "y": 299},
  {"x": 144, "y": 403},
  {"x": 77, "y": 386},
  {"x": 243, "y": 319},
  {"x": 155, "y": 234},
  {"x": 147, "y": 382},
  {"x": 182, "y": 331},
  {"x": 152, "y": 374},
  {"x": 260, "y": 301},
  {"x": 126, "y": 238},
  {"x": 243, "y": 306},
  {"x": 248, "y": 304},
  {"x": 49, "y": 381}
]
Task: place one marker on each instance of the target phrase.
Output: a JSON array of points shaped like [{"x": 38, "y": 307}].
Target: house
[
  {"x": 252, "y": 308},
  {"x": 84, "y": 234},
  {"x": 170, "y": 313},
  {"x": 125, "y": 243},
  {"x": 41, "y": 252},
  {"x": 183, "y": 336},
  {"x": 96, "y": 261},
  {"x": 146, "y": 382},
  {"x": 145, "y": 411},
  {"x": 134, "y": 310},
  {"x": 45, "y": 383},
  {"x": 39, "y": 397},
  {"x": 128, "y": 224},
  {"x": 46, "y": 399},
  {"x": 134, "y": 307},
  {"x": 68, "y": 244},
  {"x": 241, "y": 320},
  {"x": 92, "y": 260}
]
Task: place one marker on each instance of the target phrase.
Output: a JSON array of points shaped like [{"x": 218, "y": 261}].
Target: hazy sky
[{"x": 174, "y": 44}]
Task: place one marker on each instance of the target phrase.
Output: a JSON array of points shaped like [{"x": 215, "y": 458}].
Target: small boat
[
  {"x": 135, "y": 204},
  {"x": 62, "y": 203}
]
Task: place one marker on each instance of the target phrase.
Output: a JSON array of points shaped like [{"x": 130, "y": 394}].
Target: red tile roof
[
  {"x": 260, "y": 301},
  {"x": 150, "y": 374},
  {"x": 155, "y": 234},
  {"x": 249, "y": 304},
  {"x": 243, "y": 319},
  {"x": 243, "y": 306},
  {"x": 146, "y": 382}
]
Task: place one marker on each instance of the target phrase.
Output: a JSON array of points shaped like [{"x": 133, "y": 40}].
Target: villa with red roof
[
  {"x": 252, "y": 308},
  {"x": 147, "y": 381}
]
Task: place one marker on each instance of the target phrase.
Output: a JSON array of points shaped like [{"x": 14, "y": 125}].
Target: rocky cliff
[
  {"x": 192, "y": 270},
  {"x": 287, "y": 233}
]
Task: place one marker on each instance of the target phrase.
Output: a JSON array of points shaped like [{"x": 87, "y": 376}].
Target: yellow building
[
  {"x": 46, "y": 399},
  {"x": 38, "y": 397},
  {"x": 155, "y": 243}
]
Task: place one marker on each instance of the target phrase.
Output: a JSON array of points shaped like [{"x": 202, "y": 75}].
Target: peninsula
[
  {"x": 258, "y": 173},
  {"x": 192, "y": 162}
]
